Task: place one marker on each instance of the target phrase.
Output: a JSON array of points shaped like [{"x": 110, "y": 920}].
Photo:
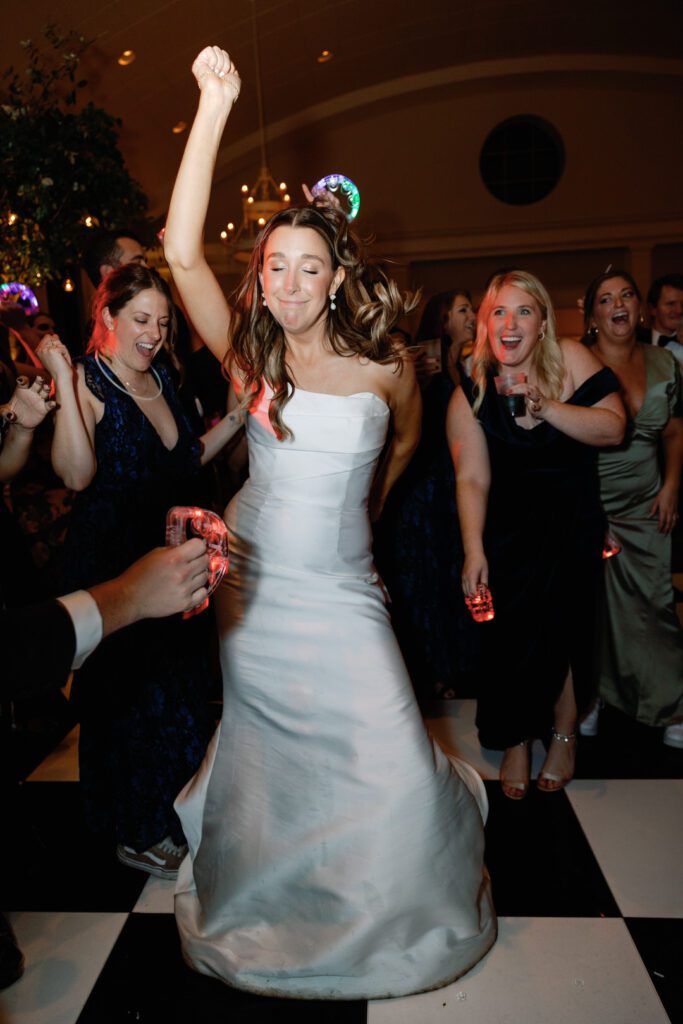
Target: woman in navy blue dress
[{"x": 123, "y": 442}]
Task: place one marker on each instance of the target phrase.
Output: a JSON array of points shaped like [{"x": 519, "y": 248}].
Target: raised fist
[{"x": 214, "y": 70}]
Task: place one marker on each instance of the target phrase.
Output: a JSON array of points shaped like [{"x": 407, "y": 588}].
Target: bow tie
[{"x": 663, "y": 340}]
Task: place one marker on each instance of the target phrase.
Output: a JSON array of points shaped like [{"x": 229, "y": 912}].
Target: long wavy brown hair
[
  {"x": 547, "y": 355},
  {"x": 368, "y": 305}
]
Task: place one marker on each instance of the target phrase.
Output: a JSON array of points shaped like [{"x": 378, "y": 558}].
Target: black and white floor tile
[{"x": 587, "y": 885}]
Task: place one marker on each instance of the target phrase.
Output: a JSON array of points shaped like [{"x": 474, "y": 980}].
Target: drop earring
[
  {"x": 333, "y": 304},
  {"x": 264, "y": 301}
]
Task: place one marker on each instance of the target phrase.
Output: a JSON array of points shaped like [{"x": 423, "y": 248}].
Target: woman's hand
[
  {"x": 475, "y": 573},
  {"x": 665, "y": 506},
  {"x": 216, "y": 73},
  {"x": 327, "y": 200},
  {"x": 536, "y": 402},
  {"x": 56, "y": 359},
  {"x": 29, "y": 405}
]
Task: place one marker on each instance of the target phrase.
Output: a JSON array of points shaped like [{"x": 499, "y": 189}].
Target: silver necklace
[{"x": 131, "y": 393}]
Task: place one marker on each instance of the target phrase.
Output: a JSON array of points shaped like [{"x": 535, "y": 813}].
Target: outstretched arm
[
  {"x": 162, "y": 582},
  {"x": 219, "y": 85},
  {"x": 601, "y": 425}
]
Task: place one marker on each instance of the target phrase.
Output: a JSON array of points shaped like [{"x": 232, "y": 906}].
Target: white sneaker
[
  {"x": 673, "y": 735},
  {"x": 588, "y": 726}
]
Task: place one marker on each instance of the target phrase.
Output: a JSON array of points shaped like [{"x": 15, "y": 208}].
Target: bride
[{"x": 335, "y": 851}]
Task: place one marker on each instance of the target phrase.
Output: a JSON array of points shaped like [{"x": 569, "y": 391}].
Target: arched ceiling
[{"x": 374, "y": 42}]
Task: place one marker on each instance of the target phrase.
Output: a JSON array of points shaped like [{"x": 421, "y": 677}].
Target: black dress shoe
[{"x": 11, "y": 957}]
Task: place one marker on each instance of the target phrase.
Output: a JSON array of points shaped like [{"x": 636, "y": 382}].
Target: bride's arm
[
  {"x": 219, "y": 85},
  {"x": 405, "y": 402}
]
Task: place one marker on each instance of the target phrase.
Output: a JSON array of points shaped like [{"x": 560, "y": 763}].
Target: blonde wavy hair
[
  {"x": 546, "y": 358},
  {"x": 368, "y": 305}
]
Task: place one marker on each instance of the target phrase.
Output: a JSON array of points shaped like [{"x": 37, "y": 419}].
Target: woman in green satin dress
[{"x": 641, "y": 641}]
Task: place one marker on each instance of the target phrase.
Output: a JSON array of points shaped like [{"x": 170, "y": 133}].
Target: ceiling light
[
  {"x": 179, "y": 127},
  {"x": 265, "y": 197},
  {"x": 324, "y": 56}
]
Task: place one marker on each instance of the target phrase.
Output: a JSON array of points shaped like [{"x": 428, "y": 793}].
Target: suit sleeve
[{"x": 38, "y": 646}]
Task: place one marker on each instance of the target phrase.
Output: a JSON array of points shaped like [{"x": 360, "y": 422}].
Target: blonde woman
[{"x": 532, "y": 528}]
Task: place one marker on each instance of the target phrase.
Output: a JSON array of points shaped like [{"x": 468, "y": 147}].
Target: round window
[{"x": 522, "y": 160}]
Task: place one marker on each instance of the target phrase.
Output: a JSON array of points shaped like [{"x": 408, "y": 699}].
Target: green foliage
[{"x": 58, "y": 164}]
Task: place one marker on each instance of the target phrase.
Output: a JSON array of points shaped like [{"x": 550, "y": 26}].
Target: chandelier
[{"x": 265, "y": 198}]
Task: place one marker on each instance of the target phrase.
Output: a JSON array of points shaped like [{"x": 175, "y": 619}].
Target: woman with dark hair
[
  {"x": 641, "y": 648},
  {"x": 448, "y": 318},
  {"x": 532, "y": 527},
  {"x": 122, "y": 441},
  {"x": 417, "y": 540},
  {"x": 335, "y": 852}
]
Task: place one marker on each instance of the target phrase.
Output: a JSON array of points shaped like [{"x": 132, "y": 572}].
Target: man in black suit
[
  {"x": 163, "y": 582},
  {"x": 665, "y": 309}
]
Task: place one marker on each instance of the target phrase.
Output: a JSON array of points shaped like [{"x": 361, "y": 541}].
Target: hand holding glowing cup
[
  {"x": 213, "y": 530},
  {"x": 480, "y": 605}
]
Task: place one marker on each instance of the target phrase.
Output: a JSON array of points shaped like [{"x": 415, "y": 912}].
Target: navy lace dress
[
  {"x": 543, "y": 540},
  {"x": 142, "y": 695}
]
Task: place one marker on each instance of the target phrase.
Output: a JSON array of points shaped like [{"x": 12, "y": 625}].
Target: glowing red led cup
[
  {"x": 179, "y": 521},
  {"x": 481, "y": 604},
  {"x": 610, "y": 547}
]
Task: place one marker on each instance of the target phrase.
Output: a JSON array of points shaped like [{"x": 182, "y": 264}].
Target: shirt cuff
[{"x": 87, "y": 623}]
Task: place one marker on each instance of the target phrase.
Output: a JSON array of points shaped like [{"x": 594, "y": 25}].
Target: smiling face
[
  {"x": 461, "y": 321},
  {"x": 616, "y": 310},
  {"x": 138, "y": 330},
  {"x": 298, "y": 278},
  {"x": 514, "y": 323},
  {"x": 668, "y": 313}
]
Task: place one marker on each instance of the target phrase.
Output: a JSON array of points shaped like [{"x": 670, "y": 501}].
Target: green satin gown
[{"x": 641, "y": 641}]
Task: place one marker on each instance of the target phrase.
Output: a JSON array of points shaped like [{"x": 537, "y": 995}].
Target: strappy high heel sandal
[
  {"x": 516, "y": 790},
  {"x": 561, "y": 779}
]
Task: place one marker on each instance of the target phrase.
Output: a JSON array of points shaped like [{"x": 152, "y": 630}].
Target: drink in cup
[{"x": 514, "y": 404}]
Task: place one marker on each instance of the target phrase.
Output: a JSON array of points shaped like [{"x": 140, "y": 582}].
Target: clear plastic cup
[{"x": 514, "y": 404}]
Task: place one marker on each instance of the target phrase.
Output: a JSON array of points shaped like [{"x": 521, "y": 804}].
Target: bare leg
[{"x": 558, "y": 767}]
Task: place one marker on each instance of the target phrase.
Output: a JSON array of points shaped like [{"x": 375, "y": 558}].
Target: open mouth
[
  {"x": 145, "y": 348},
  {"x": 620, "y": 318},
  {"x": 510, "y": 340}
]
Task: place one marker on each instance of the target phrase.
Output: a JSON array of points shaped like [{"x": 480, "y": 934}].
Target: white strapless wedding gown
[{"x": 335, "y": 851}]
